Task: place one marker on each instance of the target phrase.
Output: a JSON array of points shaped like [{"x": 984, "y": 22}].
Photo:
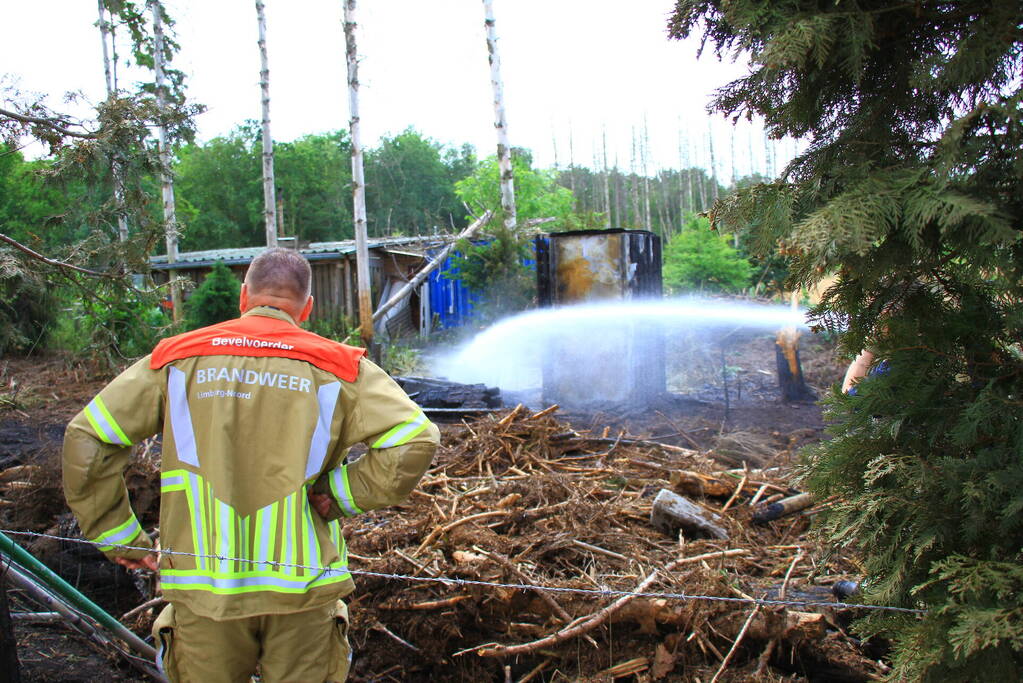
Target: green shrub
[
  {"x": 27, "y": 314},
  {"x": 108, "y": 323},
  {"x": 701, "y": 260},
  {"x": 215, "y": 300}
]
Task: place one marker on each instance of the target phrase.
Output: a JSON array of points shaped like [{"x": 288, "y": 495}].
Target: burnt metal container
[{"x": 614, "y": 359}]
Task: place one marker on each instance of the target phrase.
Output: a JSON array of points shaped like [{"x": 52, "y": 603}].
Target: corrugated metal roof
[{"x": 315, "y": 251}]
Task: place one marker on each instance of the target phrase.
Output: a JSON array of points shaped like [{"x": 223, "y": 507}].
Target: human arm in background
[
  {"x": 401, "y": 445},
  {"x": 857, "y": 370},
  {"x": 96, "y": 452}
]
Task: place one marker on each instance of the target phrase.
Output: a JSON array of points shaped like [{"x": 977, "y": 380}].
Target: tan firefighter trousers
[{"x": 303, "y": 647}]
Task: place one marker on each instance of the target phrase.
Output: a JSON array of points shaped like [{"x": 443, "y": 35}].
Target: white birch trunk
[
  {"x": 170, "y": 219},
  {"x": 504, "y": 161},
  {"x": 116, "y": 169},
  {"x": 358, "y": 178},
  {"x": 104, "y": 31},
  {"x": 269, "y": 192}
]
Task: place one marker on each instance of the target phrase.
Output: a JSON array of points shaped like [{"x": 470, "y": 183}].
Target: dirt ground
[{"x": 557, "y": 499}]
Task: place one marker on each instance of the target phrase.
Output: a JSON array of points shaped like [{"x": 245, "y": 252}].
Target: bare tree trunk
[
  {"x": 504, "y": 160},
  {"x": 687, "y": 203},
  {"x": 735, "y": 177},
  {"x": 713, "y": 164},
  {"x": 571, "y": 161},
  {"x": 358, "y": 179},
  {"x": 116, "y": 169},
  {"x": 170, "y": 219},
  {"x": 635, "y": 217},
  {"x": 607, "y": 182},
  {"x": 269, "y": 196},
  {"x": 643, "y": 151}
]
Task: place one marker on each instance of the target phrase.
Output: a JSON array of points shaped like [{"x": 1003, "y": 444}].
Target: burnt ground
[{"x": 38, "y": 396}]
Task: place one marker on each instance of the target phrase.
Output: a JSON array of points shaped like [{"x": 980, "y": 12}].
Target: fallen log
[
  {"x": 785, "y": 625},
  {"x": 786, "y": 506},
  {"x": 671, "y": 512},
  {"x": 698, "y": 484}
]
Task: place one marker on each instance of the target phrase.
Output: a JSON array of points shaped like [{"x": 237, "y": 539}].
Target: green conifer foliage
[
  {"x": 911, "y": 190},
  {"x": 215, "y": 300},
  {"x": 697, "y": 259}
]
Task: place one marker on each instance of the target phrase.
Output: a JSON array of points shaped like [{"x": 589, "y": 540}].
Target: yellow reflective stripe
[
  {"x": 95, "y": 425},
  {"x": 119, "y": 535},
  {"x": 125, "y": 441},
  {"x": 197, "y": 513},
  {"x": 234, "y": 583},
  {"x": 403, "y": 433},
  {"x": 342, "y": 490},
  {"x": 173, "y": 481}
]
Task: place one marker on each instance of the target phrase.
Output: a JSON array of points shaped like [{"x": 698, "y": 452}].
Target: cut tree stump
[{"x": 671, "y": 512}]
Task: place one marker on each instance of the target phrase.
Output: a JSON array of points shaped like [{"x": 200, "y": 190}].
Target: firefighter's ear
[
  {"x": 306, "y": 310},
  {"x": 243, "y": 298}
]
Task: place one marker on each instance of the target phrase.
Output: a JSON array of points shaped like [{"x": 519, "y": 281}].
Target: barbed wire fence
[{"x": 456, "y": 581}]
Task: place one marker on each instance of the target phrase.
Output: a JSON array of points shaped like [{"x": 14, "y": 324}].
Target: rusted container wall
[{"x": 623, "y": 361}]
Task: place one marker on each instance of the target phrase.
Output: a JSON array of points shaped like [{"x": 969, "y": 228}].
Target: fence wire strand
[{"x": 446, "y": 581}]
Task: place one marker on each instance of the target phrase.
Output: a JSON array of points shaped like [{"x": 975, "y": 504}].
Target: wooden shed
[{"x": 393, "y": 261}]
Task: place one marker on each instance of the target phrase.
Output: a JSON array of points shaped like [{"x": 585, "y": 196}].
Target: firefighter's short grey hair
[{"x": 280, "y": 272}]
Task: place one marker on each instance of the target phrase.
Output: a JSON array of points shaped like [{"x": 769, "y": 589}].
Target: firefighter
[{"x": 256, "y": 416}]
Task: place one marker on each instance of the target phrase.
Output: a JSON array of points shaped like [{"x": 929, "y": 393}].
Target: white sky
[{"x": 571, "y": 68}]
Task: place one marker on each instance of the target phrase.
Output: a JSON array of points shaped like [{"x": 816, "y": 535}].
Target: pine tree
[
  {"x": 215, "y": 300},
  {"x": 911, "y": 189}
]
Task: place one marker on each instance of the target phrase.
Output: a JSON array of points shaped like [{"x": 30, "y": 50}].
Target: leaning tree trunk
[
  {"x": 269, "y": 195},
  {"x": 504, "y": 160},
  {"x": 358, "y": 179},
  {"x": 116, "y": 169},
  {"x": 166, "y": 179}
]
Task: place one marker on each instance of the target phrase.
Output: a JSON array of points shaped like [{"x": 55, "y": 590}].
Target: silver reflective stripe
[
  {"x": 327, "y": 398},
  {"x": 176, "y": 480},
  {"x": 407, "y": 431},
  {"x": 225, "y": 528},
  {"x": 337, "y": 572},
  {"x": 181, "y": 417},
  {"x": 263, "y": 518},
  {"x": 243, "y": 543},
  {"x": 288, "y": 547},
  {"x": 122, "y": 536},
  {"x": 339, "y": 484},
  {"x": 313, "y": 560},
  {"x": 198, "y": 528},
  {"x": 109, "y": 433}
]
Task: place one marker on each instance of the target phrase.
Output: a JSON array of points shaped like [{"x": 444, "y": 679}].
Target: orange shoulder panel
[{"x": 258, "y": 335}]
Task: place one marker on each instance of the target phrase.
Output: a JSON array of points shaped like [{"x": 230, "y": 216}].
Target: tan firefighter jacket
[{"x": 254, "y": 413}]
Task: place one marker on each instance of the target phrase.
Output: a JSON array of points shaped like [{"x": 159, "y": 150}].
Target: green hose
[{"x": 72, "y": 595}]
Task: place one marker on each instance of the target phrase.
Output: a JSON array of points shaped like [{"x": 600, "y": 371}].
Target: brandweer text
[{"x": 263, "y": 379}]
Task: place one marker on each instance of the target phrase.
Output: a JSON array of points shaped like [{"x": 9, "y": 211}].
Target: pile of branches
[{"x": 523, "y": 500}]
